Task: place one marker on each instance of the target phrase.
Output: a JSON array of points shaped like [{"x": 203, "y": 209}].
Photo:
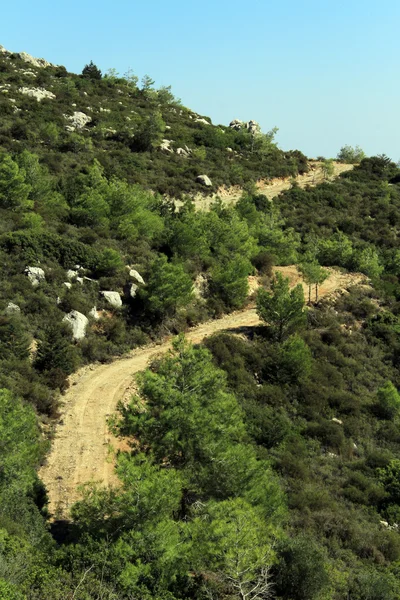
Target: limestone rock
[
  {"x": 68, "y": 284},
  {"x": 165, "y": 146},
  {"x": 133, "y": 288},
  {"x": 202, "y": 121},
  {"x": 182, "y": 152},
  {"x": 113, "y": 298},
  {"x": 78, "y": 323},
  {"x": 4, "y": 50},
  {"x": 72, "y": 274},
  {"x": 94, "y": 313},
  {"x": 77, "y": 121},
  {"x": 35, "y": 275},
  {"x": 38, "y": 93},
  {"x": 13, "y": 309},
  {"x": 338, "y": 421},
  {"x": 133, "y": 273},
  {"x": 253, "y": 127},
  {"x": 204, "y": 180},
  {"x": 36, "y": 62},
  {"x": 236, "y": 124}
]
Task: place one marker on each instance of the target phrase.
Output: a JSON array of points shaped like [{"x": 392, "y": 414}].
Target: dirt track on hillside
[
  {"x": 81, "y": 448},
  {"x": 273, "y": 187}
]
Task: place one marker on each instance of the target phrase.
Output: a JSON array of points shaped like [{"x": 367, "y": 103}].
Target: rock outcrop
[
  {"x": 77, "y": 121},
  {"x": 251, "y": 126},
  {"x": 204, "y": 180},
  {"x": 133, "y": 288},
  {"x": 78, "y": 323},
  {"x": 38, "y": 93},
  {"x": 35, "y": 275},
  {"x": 113, "y": 298},
  {"x": 165, "y": 146},
  {"x": 36, "y": 62},
  {"x": 135, "y": 275}
]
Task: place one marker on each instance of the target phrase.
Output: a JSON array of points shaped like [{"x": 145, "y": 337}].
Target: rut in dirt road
[{"x": 81, "y": 448}]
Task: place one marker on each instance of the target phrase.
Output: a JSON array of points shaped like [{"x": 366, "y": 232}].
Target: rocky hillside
[{"x": 136, "y": 132}]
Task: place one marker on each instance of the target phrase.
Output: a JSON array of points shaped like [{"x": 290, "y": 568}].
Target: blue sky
[{"x": 325, "y": 73}]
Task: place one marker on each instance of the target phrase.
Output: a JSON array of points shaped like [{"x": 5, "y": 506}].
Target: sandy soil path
[
  {"x": 273, "y": 187},
  {"x": 81, "y": 448}
]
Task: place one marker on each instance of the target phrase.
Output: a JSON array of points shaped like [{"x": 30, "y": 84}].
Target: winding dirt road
[{"x": 81, "y": 448}]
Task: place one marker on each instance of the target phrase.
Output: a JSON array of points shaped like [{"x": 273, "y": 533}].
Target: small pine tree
[{"x": 90, "y": 71}]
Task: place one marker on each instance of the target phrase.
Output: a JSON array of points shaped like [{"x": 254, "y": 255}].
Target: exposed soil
[
  {"x": 273, "y": 187},
  {"x": 82, "y": 447}
]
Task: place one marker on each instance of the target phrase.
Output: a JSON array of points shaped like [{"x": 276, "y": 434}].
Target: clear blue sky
[{"x": 325, "y": 73}]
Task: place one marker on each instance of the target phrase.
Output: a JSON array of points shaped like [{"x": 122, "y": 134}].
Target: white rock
[
  {"x": 106, "y": 110},
  {"x": 203, "y": 121},
  {"x": 133, "y": 273},
  {"x": 338, "y": 421},
  {"x": 165, "y": 146},
  {"x": 133, "y": 289},
  {"x": 3, "y": 50},
  {"x": 94, "y": 314},
  {"x": 68, "y": 284},
  {"x": 78, "y": 323},
  {"x": 13, "y": 309},
  {"x": 204, "y": 180},
  {"x": 182, "y": 152},
  {"x": 113, "y": 298},
  {"x": 36, "y": 62},
  {"x": 72, "y": 274},
  {"x": 78, "y": 120},
  {"x": 79, "y": 280},
  {"x": 38, "y": 93},
  {"x": 35, "y": 275},
  {"x": 236, "y": 124},
  {"x": 384, "y": 523},
  {"x": 253, "y": 127}
]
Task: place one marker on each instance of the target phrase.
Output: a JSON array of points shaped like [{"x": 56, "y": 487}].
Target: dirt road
[
  {"x": 81, "y": 448},
  {"x": 273, "y": 187}
]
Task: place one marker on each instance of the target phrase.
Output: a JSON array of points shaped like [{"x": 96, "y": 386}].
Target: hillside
[
  {"x": 136, "y": 132},
  {"x": 254, "y": 463}
]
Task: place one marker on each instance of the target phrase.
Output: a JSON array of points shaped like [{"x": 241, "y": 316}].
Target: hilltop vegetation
[{"x": 261, "y": 466}]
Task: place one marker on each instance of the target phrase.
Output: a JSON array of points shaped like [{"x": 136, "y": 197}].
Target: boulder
[
  {"x": 133, "y": 288},
  {"x": 253, "y": 127},
  {"x": 35, "y": 275},
  {"x": 133, "y": 273},
  {"x": 77, "y": 121},
  {"x": 38, "y": 93},
  {"x": 236, "y": 124},
  {"x": 165, "y": 146},
  {"x": 113, "y": 298},
  {"x": 78, "y": 323},
  {"x": 204, "y": 180},
  {"x": 94, "y": 313},
  {"x": 182, "y": 152},
  {"x": 338, "y": 421},
  {"x": 202, "y": 121},
  {"x": 68, "y": 284},
  {"x": 13, "y": 309},
  {"x": 71, "y": 274}
]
